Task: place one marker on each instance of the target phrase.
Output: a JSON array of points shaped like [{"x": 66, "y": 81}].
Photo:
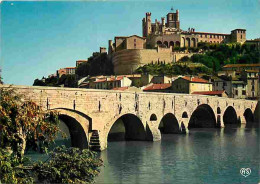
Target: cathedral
[
  {"x": 158, "y": 41},
  {"x": 168, "y": 33}
]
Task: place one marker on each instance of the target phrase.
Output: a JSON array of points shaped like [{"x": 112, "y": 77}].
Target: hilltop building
[
  {"x": 170, "y": 34},
  {"x": 66, "y": 71},
  {"x": 78, "y": 62},
  {"x": 159, "y": 41}
]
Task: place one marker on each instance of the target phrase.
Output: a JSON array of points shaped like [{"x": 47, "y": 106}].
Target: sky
[{"x": 37, "y": 38}]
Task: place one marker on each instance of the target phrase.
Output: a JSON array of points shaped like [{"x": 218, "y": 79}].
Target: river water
[{"x": 202, "y": 156}]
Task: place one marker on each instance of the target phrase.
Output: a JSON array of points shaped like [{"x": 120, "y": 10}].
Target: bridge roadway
[{"x": 90, "y": 114}]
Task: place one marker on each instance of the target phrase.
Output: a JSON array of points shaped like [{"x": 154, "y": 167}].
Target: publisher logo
[{"x": 245, "y": 172}]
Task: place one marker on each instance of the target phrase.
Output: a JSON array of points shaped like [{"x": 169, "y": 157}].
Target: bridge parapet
[{"x": 105, "y": 107}]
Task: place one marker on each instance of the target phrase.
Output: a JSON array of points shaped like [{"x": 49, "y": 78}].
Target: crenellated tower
[
  {"x": 147, "y": 25},
  {"x": 173, "y": 20}
]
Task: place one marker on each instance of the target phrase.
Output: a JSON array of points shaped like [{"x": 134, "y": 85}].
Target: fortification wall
[{"x": 128, "y": 60}]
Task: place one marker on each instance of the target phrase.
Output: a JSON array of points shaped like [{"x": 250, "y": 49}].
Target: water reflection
[{"x": 203, "y": 156}]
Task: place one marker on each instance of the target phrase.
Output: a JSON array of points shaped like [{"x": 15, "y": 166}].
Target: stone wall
[
  {"x": 128, "y": 60},
  {"x": 98, "y": 110}
]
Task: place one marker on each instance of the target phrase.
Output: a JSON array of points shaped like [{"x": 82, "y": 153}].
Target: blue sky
[{"x": 37, "y": 38}]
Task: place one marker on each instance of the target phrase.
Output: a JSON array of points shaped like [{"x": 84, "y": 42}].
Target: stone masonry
[{"x": 97, "y": 110}]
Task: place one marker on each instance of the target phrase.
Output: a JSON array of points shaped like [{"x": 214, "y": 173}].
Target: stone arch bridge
[{"x": 93, "y": 116}]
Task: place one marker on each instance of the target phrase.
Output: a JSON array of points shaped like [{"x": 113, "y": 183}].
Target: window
[
  {"x": 243, "y": 92},
  {"x": 135, "y": 46},
  {"x": 253, "y": 88},
  {"x": 236, "y": 92},
  {"x": 134, "y": 40},
  {"x": 241, "y": 36},
  {"x": 216, "y": 83},
  {"x": 210, "y": 36}
]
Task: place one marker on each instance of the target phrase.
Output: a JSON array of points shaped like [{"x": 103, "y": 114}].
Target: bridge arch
[
  {"x": 185, "y": 115},
  {"x": 202, "y": 117},
  {"x": 230, "y": 118},
  {"x": 79, "y": 126},
  {"x": 169, "y": 124},
  {"x": 153, "y": 117},
  {"x": 249, "y": 117},
  {"x": 126, "y": 127}
]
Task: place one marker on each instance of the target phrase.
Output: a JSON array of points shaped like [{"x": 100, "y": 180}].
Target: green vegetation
[
  {"x": 173, "y": 69},
  {"x": 218, "y": 55},
  {"x": 98, "y": 64},
  {"x": 25, "y": 126},
  {"x": 214, "y": 56},
  {"x": 64, "y": 80}
]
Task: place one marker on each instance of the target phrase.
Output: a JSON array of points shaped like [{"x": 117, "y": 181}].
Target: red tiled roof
[
  {"x": 211, "y": 33},
  {"x": 195, "y": 79},
  {"x": 158, "y": 87},
  {"x": 81, "y": 60},
  {"x": 70, "y": 68},
  {"x": 120, "y": 88},
  {"x": 208, "y": 92},
  {"x": 109, "y": 79},
  {"x": 240, "y": 65}
]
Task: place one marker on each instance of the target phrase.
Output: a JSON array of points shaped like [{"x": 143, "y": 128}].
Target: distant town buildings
[
  {"x": 158, "y": 45},
  {"x": 66, "y": 71},
  {"x": 190, "y": 84},
  {"x": 78, "y": 62},
  {"x": 241, "y": 67}
]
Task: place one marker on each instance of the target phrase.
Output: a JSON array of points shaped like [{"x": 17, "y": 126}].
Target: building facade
[
  {"x": 189, "y": 85},
  {"x": 158, "y": 42},
  {"x": 66, "y": 71},
  {"x": 169, "y": 33}
]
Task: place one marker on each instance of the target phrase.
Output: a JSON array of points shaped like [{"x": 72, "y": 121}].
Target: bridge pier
[
  {"x": 152, "y": 131},
  {"x": 184, "y": 125}
]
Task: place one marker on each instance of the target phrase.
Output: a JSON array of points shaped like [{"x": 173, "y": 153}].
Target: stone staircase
[{"x": 94, "y": 144}]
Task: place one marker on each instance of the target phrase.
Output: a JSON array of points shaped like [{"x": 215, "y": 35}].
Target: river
[{"x": 202, "y": 156}]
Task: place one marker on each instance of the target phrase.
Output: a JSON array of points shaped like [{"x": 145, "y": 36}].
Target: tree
[
  {"x": 25, "y": 122},
  {"x": 38, "y": 82},
  {"x": 69, "y": 166},
  {"x": 23, "y": 126},
  {"x": 185, "y": 58}
]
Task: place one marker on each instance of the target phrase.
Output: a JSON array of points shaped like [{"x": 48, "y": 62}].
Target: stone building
[
  {"x": 66, "y": 71},
  {"x": 163, "y": 88},
  {"x": 189, "y": 85},
  {"x": 78, "y": 62},
  {"x": 252, "y": 80},
  {"x": 169, "y": 33},
  {"x": 238, "y": 89},
  {"x": 111, "y": 82},
  {"x": 241, "y": 67},
  {"x": 157, "y": 44}
]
